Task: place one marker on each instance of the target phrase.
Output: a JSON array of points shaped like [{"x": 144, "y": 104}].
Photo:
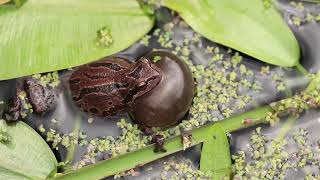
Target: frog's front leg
[{"x": 157, "y": 139}]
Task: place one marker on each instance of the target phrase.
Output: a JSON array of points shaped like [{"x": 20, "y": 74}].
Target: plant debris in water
[{"x": 267, "y": 158}]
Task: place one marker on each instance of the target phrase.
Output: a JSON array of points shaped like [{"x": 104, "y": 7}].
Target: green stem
[
  {"x": 145, "y": 155},
  {"x": 71, "y": 150},
  {"x": 290, "y": 122},
  {"x": 315, "y": 83},
  {"x": 302, "y": 70}
]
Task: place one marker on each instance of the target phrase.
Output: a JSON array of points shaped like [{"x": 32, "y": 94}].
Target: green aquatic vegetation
[
  {"x": 26, "y": 106},
  {"x": 156, "y": 58},
  {"x": 268, "y": 157},
  {"x": 298, "y": 5},
  {"x": 4, "y": 135},
  {"x": 267, "y": 3},
  {"x": 145, "y": 40},
  {"x": 182, "y": 170},
  {"x": 305, "y": 15},
  {"x": 131, "y": 139},
  {"x": 66, "y": 140},
  {"x": 294, "y": 106},
  {"x": 297, "y": 21},
  {"x": 48, "y": 79},
  {"x": 278, "y": 80},
  {"x": 318, "y": 17},
  {"x": 265, "y": 70},
  {"x": 24, "y": 154},
  {"x": 104, "y": 37}
]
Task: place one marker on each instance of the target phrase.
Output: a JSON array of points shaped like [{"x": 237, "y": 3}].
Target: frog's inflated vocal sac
[{"x": 109, "y": 87}]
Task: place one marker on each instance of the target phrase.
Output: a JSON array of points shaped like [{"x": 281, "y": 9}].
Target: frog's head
[{"x": 146, "y": 74}]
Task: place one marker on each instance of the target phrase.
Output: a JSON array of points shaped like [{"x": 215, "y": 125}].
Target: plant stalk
[{"x": 302, "y": 70}]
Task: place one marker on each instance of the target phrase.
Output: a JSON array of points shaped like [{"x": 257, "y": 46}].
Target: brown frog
[
  {"x": 109, "y": 87},
  {"x": 41, "y": 98}
]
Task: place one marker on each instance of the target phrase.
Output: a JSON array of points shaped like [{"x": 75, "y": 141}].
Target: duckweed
[{"x": 267, "y": 157}]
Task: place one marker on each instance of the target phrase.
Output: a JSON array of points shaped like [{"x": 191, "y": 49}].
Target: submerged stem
[
  {"x": 302, "y": 70},
  {"x": 71, "y": 150}
]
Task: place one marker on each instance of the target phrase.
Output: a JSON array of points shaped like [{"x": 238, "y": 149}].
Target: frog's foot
[
  {"x": 157, "y": 139},
  {"x": 159, "y": 142}
]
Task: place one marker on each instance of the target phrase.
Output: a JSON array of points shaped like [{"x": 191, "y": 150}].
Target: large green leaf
[
  {"x": 47, "y": 35},
  {"x": 245, "y": 25},
  {"x": 26, "y": 155},
  {"x": 215, "y": 153}
]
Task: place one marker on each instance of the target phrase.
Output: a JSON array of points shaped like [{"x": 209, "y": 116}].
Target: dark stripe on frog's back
[{"x": 106, "y": 89}]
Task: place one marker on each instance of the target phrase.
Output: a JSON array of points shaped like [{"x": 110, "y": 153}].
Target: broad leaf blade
[
  {"x": 215, "y": 153},
  {"x": 244, "y": 25},
  {"x": 46, "y": 35},
  {"x": 26, "y": 156}
]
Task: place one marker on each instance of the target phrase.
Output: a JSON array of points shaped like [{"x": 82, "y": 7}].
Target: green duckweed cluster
[
  {"x": 268, "y": 158},
  {"x": 267, "y": 3},
  {"x": 48, "y": 79},
  {"x": 132, "y": 138},
  {"x": 4, "y": 135},
  {"x": 66, "y": 140},
  {"x": 26, "y": 106},
  {"x": 174, "y": 170},
  {"x": 104, "y": 37},
  {"x": 303, "y": 15},
  {"x": 293, "y": 106}
]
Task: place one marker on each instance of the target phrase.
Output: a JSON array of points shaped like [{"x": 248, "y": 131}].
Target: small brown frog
[
  {"x": 109, "y": 87},
  {"x": 41, "y": 98}
]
